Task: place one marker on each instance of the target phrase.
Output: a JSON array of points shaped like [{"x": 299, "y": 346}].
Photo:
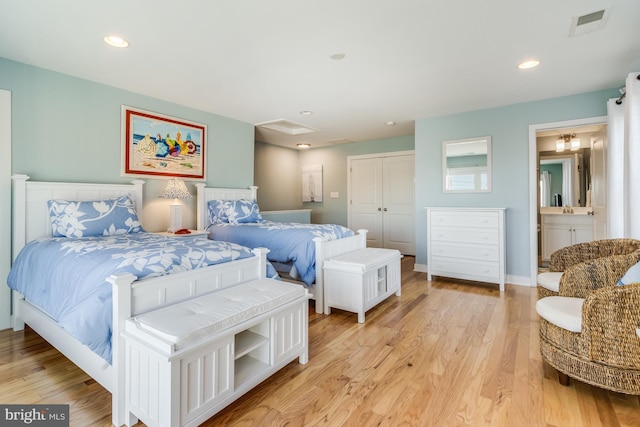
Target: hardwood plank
[{"x": 444, "y": 353}]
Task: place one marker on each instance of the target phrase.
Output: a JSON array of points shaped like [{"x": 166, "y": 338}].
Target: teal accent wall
[
  {"x": 509, "y": 129},
  {"x": 286, "y": 164},
  {"x": 68, "y": 129}
]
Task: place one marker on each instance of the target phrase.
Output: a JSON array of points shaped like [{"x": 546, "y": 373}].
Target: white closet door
[
  {"x": 5, "y": 212},
  {"x": 382, "y": 200},
  {"x": 366, "y": 199},
  {"x": 399, "y": 203}
]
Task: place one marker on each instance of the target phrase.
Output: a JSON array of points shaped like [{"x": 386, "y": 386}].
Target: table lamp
[{"x": 176, "y": 189}]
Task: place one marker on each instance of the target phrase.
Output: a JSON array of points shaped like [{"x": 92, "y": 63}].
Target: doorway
[{"x": 543, "y": 144}]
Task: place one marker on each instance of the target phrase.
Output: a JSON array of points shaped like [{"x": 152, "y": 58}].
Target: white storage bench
[
  {"x": 187, "y": 361},
  {"x": 359, "y": 280}
]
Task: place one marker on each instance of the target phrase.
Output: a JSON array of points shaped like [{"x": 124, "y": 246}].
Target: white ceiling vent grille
[
  {"x": 589, "y": 22},
  {"x": 339, "y": 141},
  {"x": 287, "y": 126}
]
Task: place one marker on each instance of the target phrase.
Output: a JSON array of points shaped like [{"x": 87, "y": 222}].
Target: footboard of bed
[{"x": 130, "y": 298}]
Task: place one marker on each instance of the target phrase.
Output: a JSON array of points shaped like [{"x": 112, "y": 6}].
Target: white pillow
[{"x": 631, "y": 276}]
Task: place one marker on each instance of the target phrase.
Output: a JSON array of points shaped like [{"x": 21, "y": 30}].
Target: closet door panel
[{"x": 366, "y": 199}]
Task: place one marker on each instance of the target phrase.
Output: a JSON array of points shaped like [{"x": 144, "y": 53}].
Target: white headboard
[
  {"x": 31, "y": 213},
  {"x": 211, "y": 193}
]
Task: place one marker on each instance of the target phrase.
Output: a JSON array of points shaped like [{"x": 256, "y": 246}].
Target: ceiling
[{"x": 258, "y": 61}]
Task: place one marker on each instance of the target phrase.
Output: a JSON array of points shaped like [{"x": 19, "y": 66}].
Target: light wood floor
[{"x": 445, "y": 353}]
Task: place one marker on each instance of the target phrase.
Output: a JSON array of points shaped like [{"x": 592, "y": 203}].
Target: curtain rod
[{"x": 619, "y": 100}]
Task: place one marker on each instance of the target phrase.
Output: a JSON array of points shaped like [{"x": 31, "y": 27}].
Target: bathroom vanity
[{"x": 563, "y": 229}]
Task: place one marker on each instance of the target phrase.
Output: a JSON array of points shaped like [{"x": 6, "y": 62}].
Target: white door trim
[{"x": 5, "y": 213}]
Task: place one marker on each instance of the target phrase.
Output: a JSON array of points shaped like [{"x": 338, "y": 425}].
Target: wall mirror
[{"x": 466, "y": 165}]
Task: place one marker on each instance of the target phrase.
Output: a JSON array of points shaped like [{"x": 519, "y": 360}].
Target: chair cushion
[
  {"x": 550, "y": 280},
  {"x": 191, "y": 320},
  {"x": 564, "y": 312}
]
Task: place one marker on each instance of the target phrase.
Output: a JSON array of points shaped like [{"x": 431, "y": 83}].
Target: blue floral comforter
[
  {"x": 287, "y": 242},
  {"x": 65, "y": 277}
]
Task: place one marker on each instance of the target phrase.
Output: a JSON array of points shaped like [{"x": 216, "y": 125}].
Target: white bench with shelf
[
  {"x": 187, "y": 361},
  {"x": 359, "y": 280}
]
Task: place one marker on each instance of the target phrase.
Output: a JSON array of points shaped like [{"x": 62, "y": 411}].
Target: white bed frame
[
  {"x": 130, "y": 297},
  {"x": 325, "y": 249}
]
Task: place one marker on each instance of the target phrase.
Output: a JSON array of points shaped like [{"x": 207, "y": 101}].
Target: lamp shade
[{"x": 176, "y": 189}]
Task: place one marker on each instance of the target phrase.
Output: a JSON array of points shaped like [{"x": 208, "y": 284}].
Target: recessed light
[
  {"x": 337, "y": 56},
  {"x": 116, "y": 41},
  {"x": 390, "y": 123},
  {"x": 306, "y": 113},
  {"x": 528, "y": 64},
  {"x": 304, "y": 145}
]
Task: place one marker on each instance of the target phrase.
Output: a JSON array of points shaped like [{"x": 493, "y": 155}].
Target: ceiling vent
[
  {"x": 589, "y": 22},
  {"x": 287, "y": 126},
  {"x": 339, "y": 141}
]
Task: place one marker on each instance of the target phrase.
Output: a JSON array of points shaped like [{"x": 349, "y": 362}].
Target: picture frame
[
  {"x": 312, "y": 183},
  {"x": 157, "y": 145}
]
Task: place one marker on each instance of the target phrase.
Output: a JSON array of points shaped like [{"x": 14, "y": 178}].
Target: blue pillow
[
  {"x": 240, "y": 211},
  {"x": 217, "y": 212},
  {"x": 631, "y": 276},
  {"x": 93, "y": 218}
]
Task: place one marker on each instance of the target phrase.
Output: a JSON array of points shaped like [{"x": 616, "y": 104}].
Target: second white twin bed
[{"x": 231, "y": 214}]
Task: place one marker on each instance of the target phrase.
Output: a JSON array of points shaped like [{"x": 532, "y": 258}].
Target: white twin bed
[
  {"x": 130, "y": 296},
  {"x": 325, "y": 248}
]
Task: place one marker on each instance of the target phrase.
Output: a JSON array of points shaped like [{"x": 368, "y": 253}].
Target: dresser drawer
[
  {"x": 475, "y": 252},
  {"x": 475, "y": 235},
  {"x": 465, "y": 219},
  {"x": 464, "y": 268}
]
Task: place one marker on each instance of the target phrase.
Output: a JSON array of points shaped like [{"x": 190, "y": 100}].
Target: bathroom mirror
[
  {"x": 466, "y": 165},
  {"x": 564, "y": 178}
]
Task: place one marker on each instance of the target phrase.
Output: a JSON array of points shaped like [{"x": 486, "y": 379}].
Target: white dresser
[{"x": 466, "y": 243}]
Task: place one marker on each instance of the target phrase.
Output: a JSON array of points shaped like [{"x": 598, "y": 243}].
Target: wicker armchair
[
  {"x": 564, "y": 258},
  {"x": 605, "y": 349}
]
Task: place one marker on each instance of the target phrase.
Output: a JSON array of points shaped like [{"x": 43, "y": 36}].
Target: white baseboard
[
  {"x": 511, "y": 279},
  {"x": 420, "y": 268},
  {"x": 520, "y": 280}
]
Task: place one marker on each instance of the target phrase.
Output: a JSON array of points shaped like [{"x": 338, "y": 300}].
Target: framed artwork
[
  {"x": 312, "y": 183},
  {"x": 162, "y": 146}
]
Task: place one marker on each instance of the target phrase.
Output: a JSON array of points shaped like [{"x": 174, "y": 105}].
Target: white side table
[{"x": 196, "y": 233}]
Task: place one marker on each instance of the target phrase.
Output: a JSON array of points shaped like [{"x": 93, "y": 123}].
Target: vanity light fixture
[
  {"x": 303, "y": 145},
  {"x": 528, "y": 64},
  {"x": 390, "y": 123},
  {"x": 115, "y": 41},
  {"x": 569, "y": 138}
]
